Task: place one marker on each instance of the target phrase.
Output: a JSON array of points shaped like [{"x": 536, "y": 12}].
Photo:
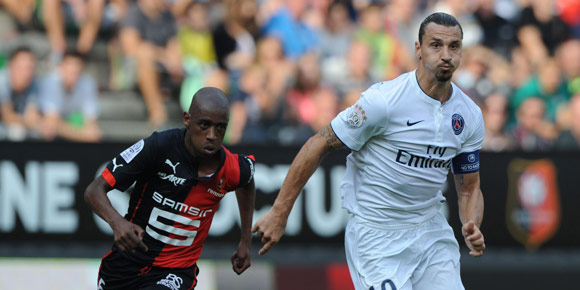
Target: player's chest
[
  {"x": 428, "y": 126},
  {"x": 178, "y": 179}
]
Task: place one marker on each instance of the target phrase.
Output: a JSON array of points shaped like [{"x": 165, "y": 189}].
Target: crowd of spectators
[{"x": 289, "y": 65}]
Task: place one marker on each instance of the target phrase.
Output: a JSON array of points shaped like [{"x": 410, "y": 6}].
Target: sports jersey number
[{"x": 155, "y": 225}]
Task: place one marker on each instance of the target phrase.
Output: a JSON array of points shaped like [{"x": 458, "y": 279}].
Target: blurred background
[{"x": 81, "y": 80}]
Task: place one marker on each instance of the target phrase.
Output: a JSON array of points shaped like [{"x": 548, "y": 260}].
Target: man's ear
[
  {"x": 418, "y": 50},
  {"x": 186, "y": 119}
]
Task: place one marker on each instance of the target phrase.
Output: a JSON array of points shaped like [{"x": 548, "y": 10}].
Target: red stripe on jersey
[
  {"x": 139, "y": 202},
  {"x": 201, "y": 197},
  {"x": 109, "y": 178},
  {"x": 252, "y": 157}
]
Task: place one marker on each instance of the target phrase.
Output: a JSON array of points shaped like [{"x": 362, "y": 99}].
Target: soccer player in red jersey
[{"x": 180, "y": 176}]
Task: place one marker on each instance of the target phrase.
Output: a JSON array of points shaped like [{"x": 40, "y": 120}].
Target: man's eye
[
  {"x": 204, "y": 125},
  {"x": 221, "y": 127}
]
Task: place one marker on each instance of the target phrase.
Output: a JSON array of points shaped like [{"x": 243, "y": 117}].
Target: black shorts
[{"x": 119, "y": 272}]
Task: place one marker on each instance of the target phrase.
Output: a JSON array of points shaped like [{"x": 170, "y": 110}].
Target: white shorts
[{"x": 417, "y": 257}]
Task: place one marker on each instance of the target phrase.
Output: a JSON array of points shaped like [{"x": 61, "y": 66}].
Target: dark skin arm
[
  {"x": 470, "y": 200},
  {"x": 128, "y": 236},
  {"x": 272, "y": 225},
  {"x": 241, "y": 258}
]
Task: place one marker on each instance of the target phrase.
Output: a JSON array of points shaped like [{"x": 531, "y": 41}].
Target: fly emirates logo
[{"x": 409, "y": 159}]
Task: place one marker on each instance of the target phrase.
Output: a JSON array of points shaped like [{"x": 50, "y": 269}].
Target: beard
[{"x": 443, "y": 76}]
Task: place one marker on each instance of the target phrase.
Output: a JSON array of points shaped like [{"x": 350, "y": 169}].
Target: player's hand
[
  {"x": 241, "y": 259},
  {"x": 473, "y": 238},
  {"x": 270, "y": 228},
  {"x": 128, "y": 236}
]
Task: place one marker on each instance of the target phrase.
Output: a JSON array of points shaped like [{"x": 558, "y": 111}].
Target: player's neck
[{"x": 433, "y": 88}]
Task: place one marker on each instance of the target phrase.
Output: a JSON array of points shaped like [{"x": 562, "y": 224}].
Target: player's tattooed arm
[{"x": 332, "y": 141}]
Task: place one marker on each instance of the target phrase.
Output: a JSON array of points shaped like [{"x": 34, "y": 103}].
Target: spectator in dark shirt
[
  {"x": 19, "y": 95},
  {"x": 148, "y": 36}
]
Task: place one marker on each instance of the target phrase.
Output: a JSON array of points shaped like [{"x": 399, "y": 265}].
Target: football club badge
[
  {"x": 533, "y": 203},
  {"x": 457, "y": 123},
  {"x": 356, "y": 116}
]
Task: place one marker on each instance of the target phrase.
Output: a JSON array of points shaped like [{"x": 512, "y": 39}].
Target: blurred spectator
[
  {"x": 569, "y": 60},
  {"x": 495, "y": 118},
  {"x": 372, "y": 32},
  {"x": 301, "y": 109},
  {"x": 570, "y": 139},
  {"x": 68, "y": 100},
  {"x": 255, "y": 114},
  {"x": 498, "y": 33},
  {"x": 542, "y": 15},
  {"x": 19, "y": 95},
  {"x": 483, "y": 72},
  {"x": 337, "y": 34},
  {"x": 570, "y": 14},
  {"x": 402, "y": 22},
  {"x": 234, "y": 38},
  {"x": 463, "y": 11},
  {"x": 22, "y": 10},
  {"x": 288, "y": 26},
  {"x": 352, "y": 73},
  {"x": 532, "y": 132},
  {"x": 86, "y": 16},
  {"x": 548, "y": 85},
  {"x": 148, "y": 36},
  {"x": 197, "y": 49},
  {"x": 279, "y": 70}
]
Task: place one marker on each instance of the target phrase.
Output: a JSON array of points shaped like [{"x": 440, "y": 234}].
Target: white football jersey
[{"x": 403, "y": 143}]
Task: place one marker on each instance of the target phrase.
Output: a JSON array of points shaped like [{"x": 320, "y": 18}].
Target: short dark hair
[
  {"x": 441, "y": 19},
  {"x": 75, "y": 54},
  {"x": 20, "y": 49}
]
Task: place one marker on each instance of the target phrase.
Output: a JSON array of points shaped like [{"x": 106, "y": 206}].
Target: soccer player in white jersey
[{"x": 405, "y": 136}]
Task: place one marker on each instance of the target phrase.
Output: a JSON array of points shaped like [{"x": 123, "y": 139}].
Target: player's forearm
[
  {"x": 96, "y": 197},
  {"x": 471, "y": 206},
  {"x": 246, "y": 199},
  {"x": 300, "y": 171}
]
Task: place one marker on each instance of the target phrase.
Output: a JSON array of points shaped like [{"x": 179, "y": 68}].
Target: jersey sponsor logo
[
  {"x": 356, "y": 116},
  {"x": 172, "y": 281},
  {"x": 409, "y": 123},
  {"x": 457, "y": 123},
  {"x": 218, "y": 194},
  {"x": 412, "y": 160},
  {"x": 115, "y": 165},
  {"x": 132, "y": 151},
  {"x": 179, "y": 206},
  {"x": 171, "y": 178}
]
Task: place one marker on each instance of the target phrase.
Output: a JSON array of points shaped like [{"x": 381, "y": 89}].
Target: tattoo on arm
[
  {"x": 460, "y": 179},
  {"x": 331, "y": 139}
]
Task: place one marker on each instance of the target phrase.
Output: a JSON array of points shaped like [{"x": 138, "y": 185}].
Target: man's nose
[
  {"x": 211, "y": 133},
  {"x": 445, "y": 55}
]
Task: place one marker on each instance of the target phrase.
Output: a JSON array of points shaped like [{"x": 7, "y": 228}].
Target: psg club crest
[
  {"x": 457, "y": 123},
  {"x": 533, "y": 203}
]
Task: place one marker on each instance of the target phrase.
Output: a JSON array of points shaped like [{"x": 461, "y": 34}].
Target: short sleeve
[
  {"x": 475, "y": 139},
  {"x": 133, "y": 163},
  {"x": 246, "y": 169},
  {"x": 360, "y": 122}
]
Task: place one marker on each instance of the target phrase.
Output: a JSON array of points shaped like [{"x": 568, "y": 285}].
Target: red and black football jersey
[{"x": 170, "y": 202}]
